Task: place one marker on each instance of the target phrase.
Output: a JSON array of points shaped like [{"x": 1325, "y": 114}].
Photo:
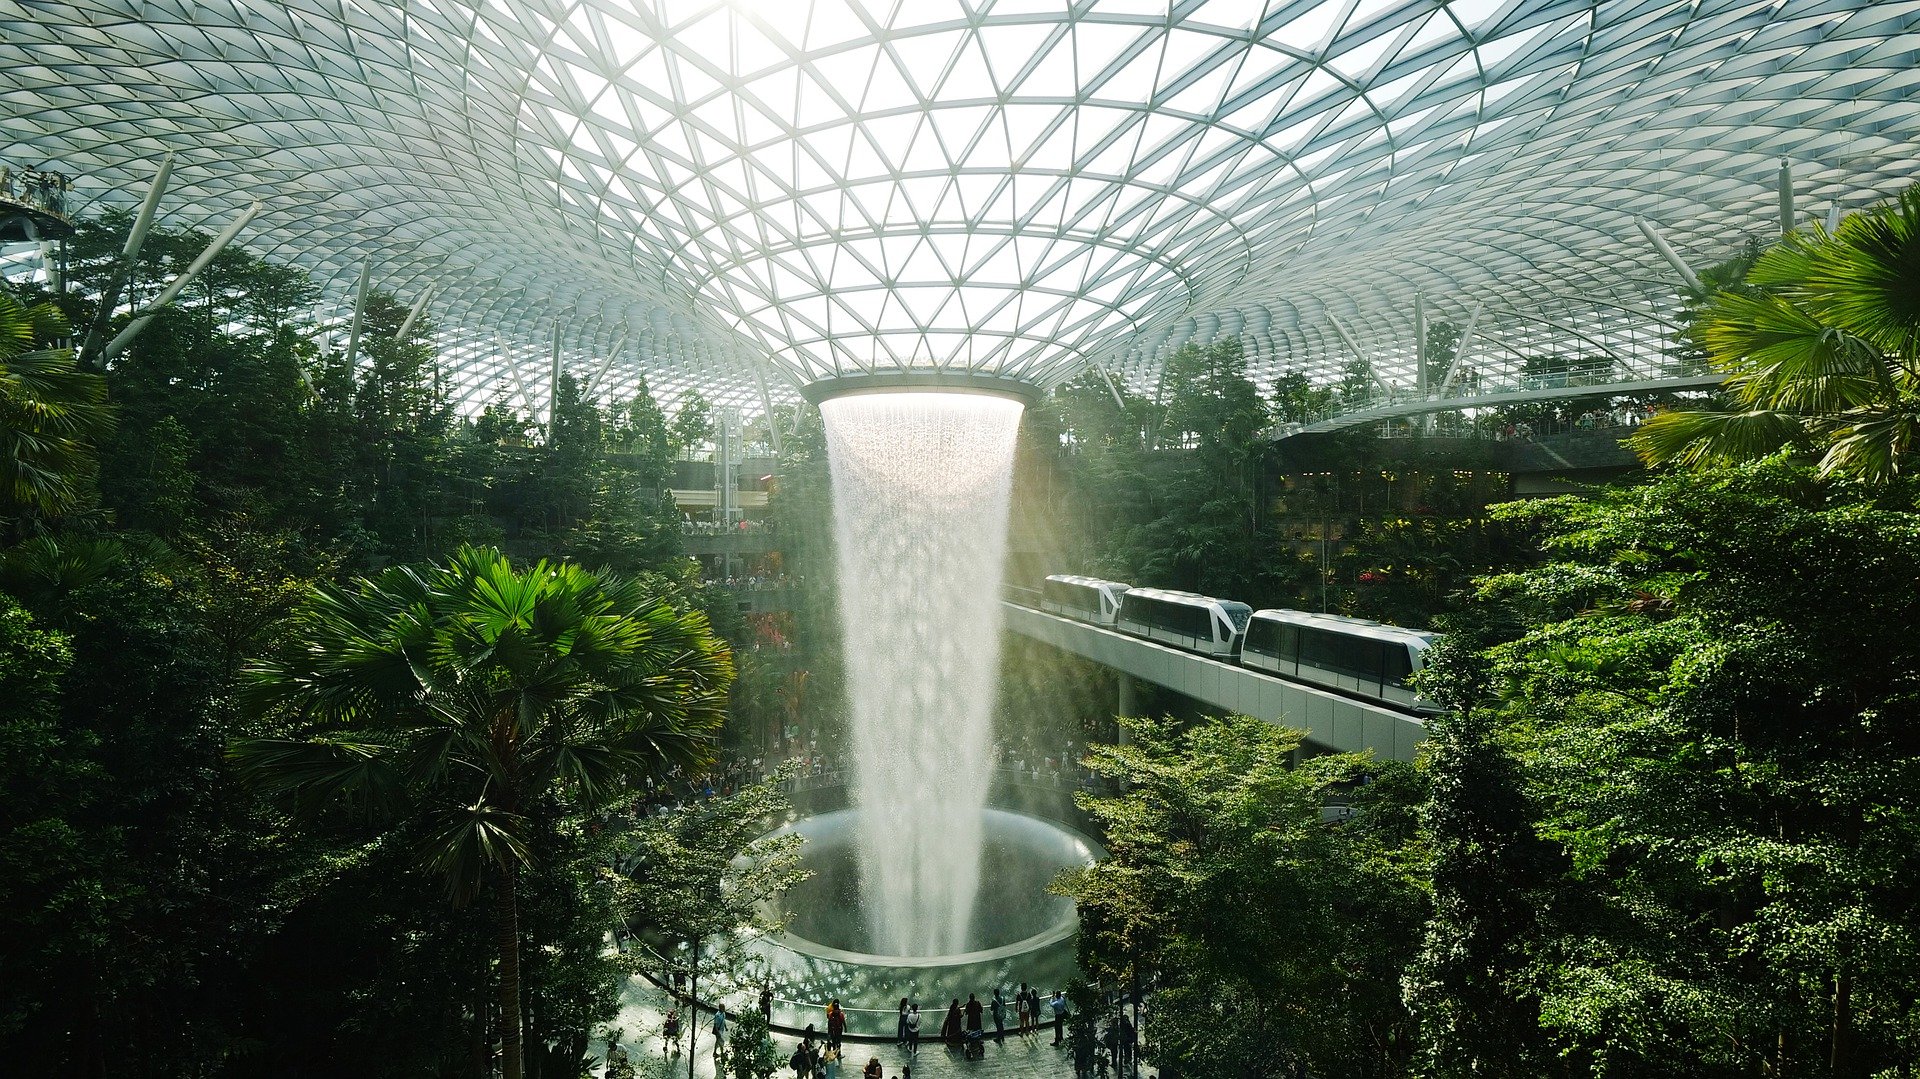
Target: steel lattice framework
[{"x": 750, "y": 195}]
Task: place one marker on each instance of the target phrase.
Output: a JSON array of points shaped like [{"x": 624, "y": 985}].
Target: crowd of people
[
  {"x": 692, "y": 526},
  {"x": 753, "y": 582},
  {"x": 1097, "y": 1049},
  {"x": 43, "y": 190}
]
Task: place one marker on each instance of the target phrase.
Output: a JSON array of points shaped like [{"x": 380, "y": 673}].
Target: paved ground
[{"x": 643, "y": 1011}]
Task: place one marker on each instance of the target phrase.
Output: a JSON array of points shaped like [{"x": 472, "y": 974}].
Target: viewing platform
[{"x": 33, "y": 206}]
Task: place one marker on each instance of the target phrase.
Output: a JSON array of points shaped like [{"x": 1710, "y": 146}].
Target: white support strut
[{"x": 177, "y": 285}]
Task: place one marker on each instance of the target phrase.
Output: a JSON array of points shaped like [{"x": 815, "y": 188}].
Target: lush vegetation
[
  {"x": 326, "y": 705},
  {"x": 308, "y": 752},
  {"x": 1820, "y": 340},
  {"x": 1668, "y": 823}
]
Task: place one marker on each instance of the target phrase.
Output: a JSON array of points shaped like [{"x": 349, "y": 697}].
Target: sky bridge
[
  {"x": 1331, "y": 721},
  {"x": 1401, "y": 407}
]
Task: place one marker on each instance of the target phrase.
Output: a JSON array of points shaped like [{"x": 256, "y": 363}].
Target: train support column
[{"x": 1129, "y": 704}]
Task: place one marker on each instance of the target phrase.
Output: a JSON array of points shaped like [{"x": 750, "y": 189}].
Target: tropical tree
[
  {"x": 706, "y": 876},
  {"x": 1226, "y": 890},
  {"x": 1675, "y": 817},
  {"x": 474, "y": 699},
  {"x": 1821, "y": 348},
  {"x": 50, "y": 410}
]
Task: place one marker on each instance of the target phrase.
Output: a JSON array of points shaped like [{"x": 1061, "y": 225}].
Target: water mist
[{"x": 921, "y": 483}]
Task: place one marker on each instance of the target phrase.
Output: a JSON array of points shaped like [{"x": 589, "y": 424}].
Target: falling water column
[{"x": 920, "y": 490}]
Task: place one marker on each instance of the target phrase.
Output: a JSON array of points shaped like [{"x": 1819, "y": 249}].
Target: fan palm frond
[
  {"x": 1871, "y": 444},
  {"x": 1781, "y": 358},
  {"x": 1698, "y": 439},
  {"x": 1864, "y": 278},
  {"x": 50, "y": 410},
  {"x": 466, "y": 844}
]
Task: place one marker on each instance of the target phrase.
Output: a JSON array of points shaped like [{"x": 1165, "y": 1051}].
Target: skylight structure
[{"x": 751, "y": 195}]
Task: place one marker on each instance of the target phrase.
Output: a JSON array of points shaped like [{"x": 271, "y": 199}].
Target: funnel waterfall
[{"x": 921, "y": 483}]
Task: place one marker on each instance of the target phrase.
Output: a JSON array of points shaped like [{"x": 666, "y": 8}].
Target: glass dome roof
[{"x": 750, "y": 195}]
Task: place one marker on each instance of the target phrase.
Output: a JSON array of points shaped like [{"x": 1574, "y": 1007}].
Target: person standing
[
  {"x": 973, "y": 1014},
  {"x": 802, "y": 1060},
  {"x": 830, "y": 1062},
  {"x": 836, "y": 1023},
  {"x": 950, "y": 1027},
  {"x": 999, "y": 1016},
  {"x": 766, "y": 1004},
  {"x": 1059, "y": 1005},
  {"x": 900, "y": 1031},
  {"x": 913, "y": 1029},
  {"x": 1020, "y": 1006}
]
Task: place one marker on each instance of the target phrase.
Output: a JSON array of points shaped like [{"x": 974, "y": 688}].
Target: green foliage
[
  {"x": 1820, "y": 346},
  {"x": 751, "y": 1052},
  {"x": 1297, "y": 400},
  {"x": 703, "y": 870},
  {"x": 1436, "y": 352},
  {"x": 46, "y": 866},
  {"x": 1698, "y": 742},
  {"x": 483, "y": 688},
  {"x": 1225, "y": 886},
  {"x": 1408, "y": 569},
  {"x": 163, "y": 918},
  {"x": 1169, "y": 489},
  {"x": 692, "y": 425},
  {"x": 51, "y": 412},
  {"x": 484, "y": 701},
  {"x": 1356, "y": 383}
]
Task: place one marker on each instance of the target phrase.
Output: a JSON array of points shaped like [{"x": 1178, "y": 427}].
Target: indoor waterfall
[{"x": 921, "y": 483}]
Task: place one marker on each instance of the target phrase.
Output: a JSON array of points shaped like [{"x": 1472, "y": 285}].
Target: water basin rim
[{"x": 794, "y": 942}]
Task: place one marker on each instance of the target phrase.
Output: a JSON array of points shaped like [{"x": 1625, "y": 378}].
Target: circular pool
[{"x": 1020, "y": 932}]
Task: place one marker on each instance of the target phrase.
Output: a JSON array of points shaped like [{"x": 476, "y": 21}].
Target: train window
[
  {"x": 1317, "y": 649},
  {"x": 1264, "y": 637},
  {"x": 1351, "y": 654},
  {"x": 1064, "y": 594},
  {"x": 1398, "y": 666},
  {"x": 1355, "y": 657},
  {"x": 1272, "y": 638},
  {"x": 1191, "y": 621},
  {"x": 1373, "y": 658}
]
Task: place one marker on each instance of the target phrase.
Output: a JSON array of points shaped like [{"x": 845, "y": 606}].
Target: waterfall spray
[{"x": 921, "y": 483}]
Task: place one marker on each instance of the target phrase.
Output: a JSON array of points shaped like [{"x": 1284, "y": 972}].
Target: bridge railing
[{"x": 1596, "y": 377}]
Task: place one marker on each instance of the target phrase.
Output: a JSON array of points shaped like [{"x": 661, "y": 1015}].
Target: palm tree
[
  {"x": 470, "y": 694},
  {"x": 50, "y": 410},
  {"x": 1821, "y": 351}
]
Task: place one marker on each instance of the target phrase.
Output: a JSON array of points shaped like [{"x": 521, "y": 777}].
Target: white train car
[
  {"x": 1187, "y": 620},
  {"x": 1086, "y": 599},
  {"x": 1362, "y": 658}
]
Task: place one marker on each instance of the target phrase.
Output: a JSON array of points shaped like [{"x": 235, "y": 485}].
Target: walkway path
[
  {"x": 1493, "y": 397},
  {"x": 643, "y": 1009}
]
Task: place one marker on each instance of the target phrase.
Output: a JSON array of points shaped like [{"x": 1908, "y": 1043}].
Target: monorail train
[
  {"x": 1352, "y": 655},
  {"x": 1088, "y": 599},
  {"x": 1211, "y": 627}
]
